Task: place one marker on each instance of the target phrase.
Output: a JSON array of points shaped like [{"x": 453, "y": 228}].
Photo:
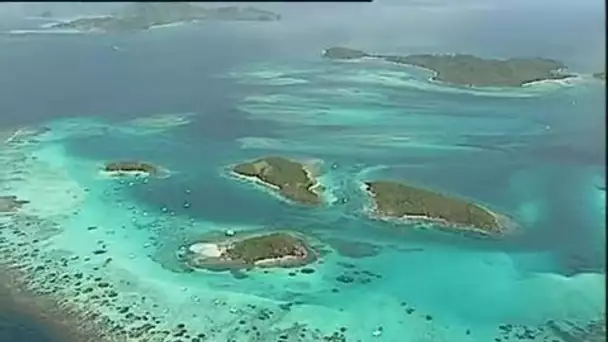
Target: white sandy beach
[{"x": 207, "y": 249}]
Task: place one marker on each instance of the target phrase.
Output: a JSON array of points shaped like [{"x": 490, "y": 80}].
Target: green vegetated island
[
  {"x": 280, "y": 249},
  {"x": 391, "y": 200},
  {"x": 468, "y": 70},
  {"x": 144, "y": 15},
  {"x": 397, "y": 200},
  {"x": 289, "y": 178}
]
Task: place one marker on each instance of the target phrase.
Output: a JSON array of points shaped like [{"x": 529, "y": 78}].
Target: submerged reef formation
[
  {"x": 159, "y": 122},
  {"x": 11, "y": 204},
  {"x": 142, "y": 16},
  {"x": 593, "y": 331},
  {"x": 121, "y": 168},
  {"x": 395, "y": 200},
  {"x": 289, "y": 178},
  {"x": 268, "y": 250},
  {"x": 469, "y": 70}
]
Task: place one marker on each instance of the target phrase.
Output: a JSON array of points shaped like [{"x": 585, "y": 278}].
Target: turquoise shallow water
[{"x": 108, "y": 246}]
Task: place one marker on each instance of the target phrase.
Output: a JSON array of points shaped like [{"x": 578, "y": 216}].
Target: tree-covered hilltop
[
  {"x": 396, "y": 200},
  {"x": 290, "y": 177},
  {"x": 465, "y": 69},
  {"x": 265, "y": 247},
  {"x": 276, "y": 249},
  {"x": 144, "y": 15}
]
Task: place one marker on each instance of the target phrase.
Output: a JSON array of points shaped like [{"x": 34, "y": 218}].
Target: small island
[
  {"x": 469, "y": 70},
  {"x": 289, "y": 178},
  {"x": 131, "y": 168},
  {"x": 395, "y": 200},
  {"x": 278, "y": 249},
  {"x": 600, "y": 75},
  {"x": 338, "y": 52},
  {"x": 11, "y": 204},
  {"x": 145, "y": 15}
]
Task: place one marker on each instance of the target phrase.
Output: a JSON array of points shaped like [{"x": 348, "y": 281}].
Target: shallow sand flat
[
  {"x": 48, "y": 188},
  {"x": 157, "y": 123},
  {"x": 271, "y": 76}
]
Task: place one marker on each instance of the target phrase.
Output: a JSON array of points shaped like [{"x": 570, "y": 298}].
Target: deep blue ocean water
[
  {"x": 21, "y": 328},
  {"x": 18, "y": 324},
  {"x": 496, "y": 150}
]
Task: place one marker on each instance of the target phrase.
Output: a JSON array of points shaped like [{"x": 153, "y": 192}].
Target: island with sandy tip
[
  {"x": 395, "y": 200},
  {"x": 468, "y": 70},
  {"x": 128, "y": 168},
  {"x": 291, "y": 179},
  {"x": 278, "y": 249},
  {"x": 11, "y": 204}
]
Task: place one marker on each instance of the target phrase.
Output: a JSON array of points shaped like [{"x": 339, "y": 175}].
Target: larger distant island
[
  {"x": 469, "y": 70},
  {"x": 144, "y": 15}
]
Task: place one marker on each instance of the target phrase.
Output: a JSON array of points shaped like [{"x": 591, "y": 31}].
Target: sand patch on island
[{"x": 207, "y": 250}]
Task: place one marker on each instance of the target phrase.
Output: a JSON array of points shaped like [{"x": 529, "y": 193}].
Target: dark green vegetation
[
  {"x": 9, "y": 204},
  {"x": 131, "y": 166},
  {"x": 396, "y": 200},
  {"x": 267, "y": 247},
  {"x": 469, "y": 70},
  {"x": 391, "y": 199},
  {"x": 600, "y": 75},
  {"x": 144, "y": 15},
  {"x": 288, "y": 176}
]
